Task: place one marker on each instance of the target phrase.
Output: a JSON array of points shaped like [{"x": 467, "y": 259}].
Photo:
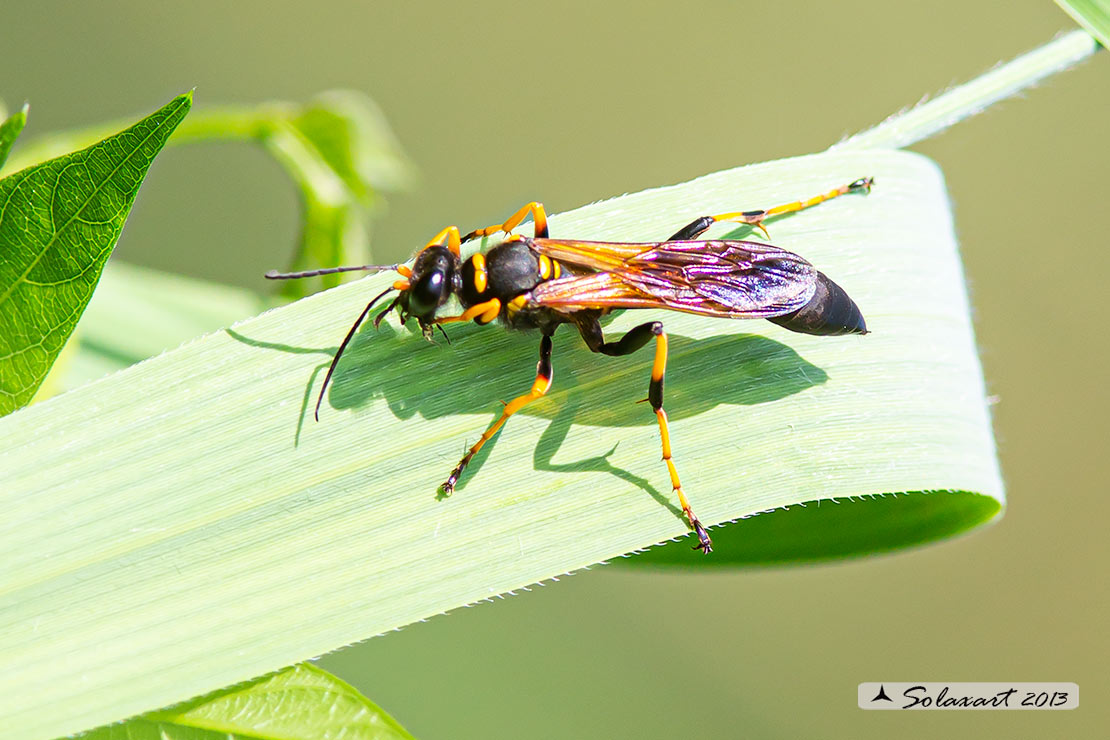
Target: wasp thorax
[{"x": 432, "y": 283}]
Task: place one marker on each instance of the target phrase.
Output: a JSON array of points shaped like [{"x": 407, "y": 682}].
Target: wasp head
[{"x": 435, "y": 278}]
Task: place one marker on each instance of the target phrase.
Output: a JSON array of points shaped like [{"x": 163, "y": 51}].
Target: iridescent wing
[{"x": 733, "y": 279}]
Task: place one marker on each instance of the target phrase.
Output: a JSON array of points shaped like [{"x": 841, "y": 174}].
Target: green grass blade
[
  {"x": 10, "y": 130},
  {"x": 137, "y": 313},
  {"x": 931, "y": 117},
  {"x": 301, "y": 702},
  {"x": 1092, "y": 15},
  {"x": 59, "y": 221},
  {"x": 183, "y": 525}
]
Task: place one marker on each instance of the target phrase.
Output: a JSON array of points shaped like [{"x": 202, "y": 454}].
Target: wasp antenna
[
  {"x": 275, "y": 275},
  {"x": 343, "y": 346}
]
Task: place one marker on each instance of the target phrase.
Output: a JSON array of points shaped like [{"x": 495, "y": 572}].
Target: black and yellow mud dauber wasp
[{"x": 539, "y": 283}]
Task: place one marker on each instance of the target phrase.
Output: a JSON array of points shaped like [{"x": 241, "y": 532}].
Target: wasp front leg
[
  {"x": 539, "y": 219},
  {"x": 697, "y": 227},
  {"x": 539, "y": 389},
  {"x": 626, "y": 345}
]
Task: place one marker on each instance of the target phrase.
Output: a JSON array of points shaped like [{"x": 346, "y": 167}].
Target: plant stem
[{"x": 911, "y": 126}]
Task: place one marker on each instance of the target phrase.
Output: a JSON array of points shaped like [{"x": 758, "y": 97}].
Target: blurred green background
[{"x": 575, "y": 102}]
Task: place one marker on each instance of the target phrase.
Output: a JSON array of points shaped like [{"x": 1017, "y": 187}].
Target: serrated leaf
[
  {"x": 1092, "y": 15},
  {"x": 183, "y": 524},
  {"x": 302, "y": 702},
  {"x": 9, "y": 132},
  {"x": 59, "y": 221}
]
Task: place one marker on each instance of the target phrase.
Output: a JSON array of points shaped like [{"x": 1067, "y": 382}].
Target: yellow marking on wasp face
[
  {"x": 556, "y": 270},
  {"x": 545, "y": 267},
  {"x": 401, "y": 285},
  {"x": 481, "y": 277}
]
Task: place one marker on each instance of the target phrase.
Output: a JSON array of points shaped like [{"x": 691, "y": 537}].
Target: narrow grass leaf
[
  {"x": 908, "y": 127},
  {"x": 59, "y": 222},
  {"x": 302, "y": 702},
  {"x": 1092, "y": 15},
  {"x": 184, "y": 525},
  {"x": 137, "y": 313}
]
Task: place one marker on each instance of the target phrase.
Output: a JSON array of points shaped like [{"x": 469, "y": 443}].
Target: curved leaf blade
[
  {"x": 187, "y": 518},
  {"x": 301, "y": 702},
  {"x": 59, "y": 222}
]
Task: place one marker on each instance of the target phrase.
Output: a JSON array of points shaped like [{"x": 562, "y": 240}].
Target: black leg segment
[{"x": 629, "y": 343}]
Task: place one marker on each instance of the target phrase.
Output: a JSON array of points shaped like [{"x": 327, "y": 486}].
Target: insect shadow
[{"x": 480, "y": 369}]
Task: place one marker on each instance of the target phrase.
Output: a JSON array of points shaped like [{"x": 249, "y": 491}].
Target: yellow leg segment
[
  {"x": 539, "y": 388},
  {"x": 539, "y": 219},
  {"x": 756, "y": 218},
  {"x": 655, "y": 395},
  {"x": 483, "y": 312},
  {"x": 449, "y": 237}
]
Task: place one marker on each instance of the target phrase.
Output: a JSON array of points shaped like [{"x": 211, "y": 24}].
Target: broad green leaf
[
  {"x": 10, "y": 130},
  {"x": 59, "y": 221},
  {"x": 302, "y": 701},
  {"x": 1092, "y": 15},
  {"x": 337, "y": 148},
  {"x": 184, "y": 525}
]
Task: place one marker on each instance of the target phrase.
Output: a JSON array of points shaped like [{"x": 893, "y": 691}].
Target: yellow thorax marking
[{"x": 481, "y": 277}]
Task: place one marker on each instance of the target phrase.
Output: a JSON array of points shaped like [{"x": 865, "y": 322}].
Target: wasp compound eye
[
  {"x": 426, "y": 295},
  {"x": 432, "y": 281}
]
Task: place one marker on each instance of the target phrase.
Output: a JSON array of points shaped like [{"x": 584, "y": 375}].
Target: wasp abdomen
[{"x": 830, "y": 311}]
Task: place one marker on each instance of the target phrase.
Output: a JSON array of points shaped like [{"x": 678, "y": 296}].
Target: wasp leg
[
  {"x": 539, "y": 219},
  {"x": 756, "y": 218},
  {"x": 449, "y": 238},
  {"x": 626, "y": 345},
  {"x": 539, "y": 388},
  {"x": 483, "y": 313}
]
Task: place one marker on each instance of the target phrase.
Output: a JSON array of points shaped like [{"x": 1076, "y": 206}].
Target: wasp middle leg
[
  {"x": 539, "y": 387},
  {"x": 633, "y": 340},
  {"x": 539, "y": 219}
]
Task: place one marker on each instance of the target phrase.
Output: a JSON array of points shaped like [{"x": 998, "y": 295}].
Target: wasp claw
[{"x": 704, "y": 543}]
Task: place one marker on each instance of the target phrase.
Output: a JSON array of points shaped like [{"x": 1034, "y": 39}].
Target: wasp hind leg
[
  {"x": 539, "y": 388},
  {"x": 697, "y": 227},
  {"x": 626, "y": 345}
]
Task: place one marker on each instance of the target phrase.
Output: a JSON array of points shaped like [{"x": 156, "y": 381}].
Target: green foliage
[
  {"x": 208, "y": 536},
  {"x": 337, "y": 148},
  {"x": 9, "y": 132},
  {"x": 1092, "y": 15},
  {"x": 58, "y": 223},
  {"x": 299, "y": 702},
  {"x": 214, "y": 533}
]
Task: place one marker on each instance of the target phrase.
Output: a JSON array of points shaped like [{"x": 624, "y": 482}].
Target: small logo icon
[{"x": 881, "y": 696}]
